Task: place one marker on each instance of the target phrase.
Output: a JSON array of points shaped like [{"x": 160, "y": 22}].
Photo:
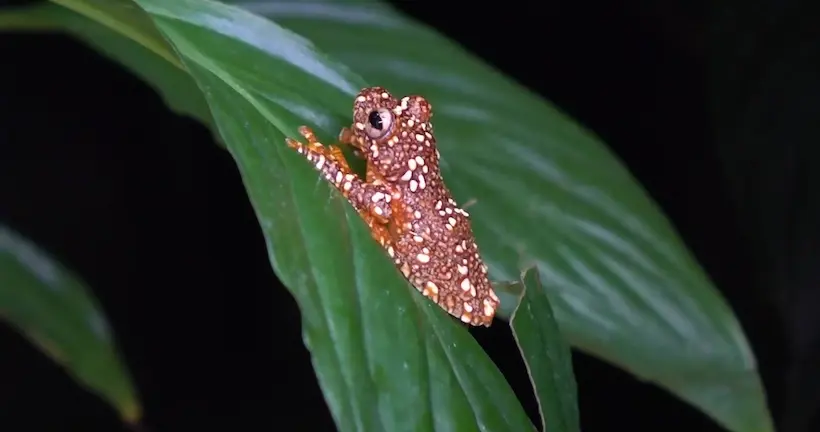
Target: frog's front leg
[
  {"x": 371, "y": 201},
  {"x": 346, "y": 136}
]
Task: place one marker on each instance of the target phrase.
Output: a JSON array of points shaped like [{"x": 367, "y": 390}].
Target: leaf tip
[{"x": 131, "y": 413}]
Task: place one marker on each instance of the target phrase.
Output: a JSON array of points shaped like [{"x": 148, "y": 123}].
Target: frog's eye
[{"x": 378, "y": 123}]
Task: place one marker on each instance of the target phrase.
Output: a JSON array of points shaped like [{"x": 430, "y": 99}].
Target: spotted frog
[{"x": 405, "y": 203}]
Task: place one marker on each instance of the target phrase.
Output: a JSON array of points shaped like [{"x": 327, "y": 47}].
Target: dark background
[{"x": 712, "y": 107}]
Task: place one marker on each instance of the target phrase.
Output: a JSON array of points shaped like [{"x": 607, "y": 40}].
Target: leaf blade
[
  {"x": 546, "y": 355},
  {"x": 52, "y": 308},
  {"x": 355, "y": 304}
]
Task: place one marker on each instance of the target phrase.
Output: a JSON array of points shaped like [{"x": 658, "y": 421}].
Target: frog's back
[{"x": 441, "y": 256}]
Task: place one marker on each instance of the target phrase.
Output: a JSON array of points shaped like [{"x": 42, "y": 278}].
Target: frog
[{"x": 405, "y": 202}]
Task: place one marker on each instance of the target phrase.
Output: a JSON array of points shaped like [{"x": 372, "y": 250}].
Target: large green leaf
[
  {"x": 386, "y": 358},
  {"x": 51, "y": 307},
  {"x": 547, "y": 192}
]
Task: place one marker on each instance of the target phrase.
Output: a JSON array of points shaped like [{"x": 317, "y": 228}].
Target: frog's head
[{"x": 395, "y": 135}]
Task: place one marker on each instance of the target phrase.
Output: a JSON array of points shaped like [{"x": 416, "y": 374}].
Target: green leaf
[
  {"x": 547, "y": 192},
  {"x": 546, "y": 354},
  {"x": 52, "y": 308},
  {"x": 386, "y": 358}
]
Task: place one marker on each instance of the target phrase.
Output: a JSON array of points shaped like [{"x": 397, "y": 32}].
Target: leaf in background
[
  {"x": 622, "y": 284},
  {"x": 169, "y": 78},
  {"x": 386, "y": 358},
  {"x": 52, "y": 308},
  {"x": 545, "y": 352}
]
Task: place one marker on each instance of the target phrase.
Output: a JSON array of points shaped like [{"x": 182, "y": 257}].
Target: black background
[{"x": 711, "y": 107}]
